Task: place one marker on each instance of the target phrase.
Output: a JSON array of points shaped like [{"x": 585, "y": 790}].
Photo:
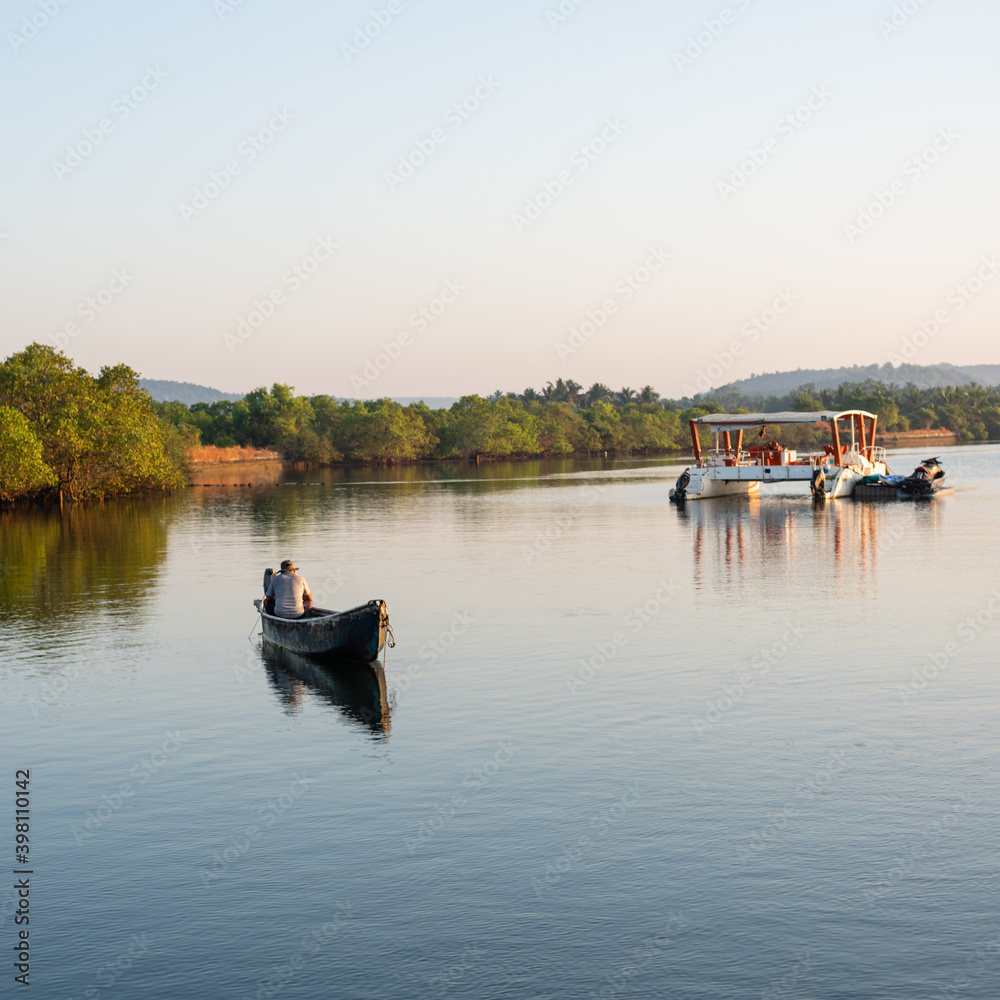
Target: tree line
[
  {"x": 559, "y": 420},
  {"x": 970, "y": 411},
  {"x": 66, "y": 432}
]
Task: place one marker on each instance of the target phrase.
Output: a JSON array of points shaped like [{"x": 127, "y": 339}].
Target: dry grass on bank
[{"x": 211, "y": 455}]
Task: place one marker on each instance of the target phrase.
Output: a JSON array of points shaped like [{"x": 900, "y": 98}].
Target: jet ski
[{"x": 926, "y": 479}]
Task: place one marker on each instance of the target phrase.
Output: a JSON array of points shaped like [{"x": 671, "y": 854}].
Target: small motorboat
[
  {"x": 926, "y": 479},
  {"x": 356, "y": 634}
]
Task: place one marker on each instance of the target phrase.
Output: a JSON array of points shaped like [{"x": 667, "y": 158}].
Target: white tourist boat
[{"x": 733, "y": 469}]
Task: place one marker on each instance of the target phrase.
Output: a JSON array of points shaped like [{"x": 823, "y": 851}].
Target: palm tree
[
  {"x": 648, "y": 394},
  {"x": 598, "y": 393},
  {"x": 564, "y": 391},
  {"x": 625, "y": 395}
]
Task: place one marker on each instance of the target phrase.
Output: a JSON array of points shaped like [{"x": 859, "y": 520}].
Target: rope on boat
[{"x": 383, "y": 621}]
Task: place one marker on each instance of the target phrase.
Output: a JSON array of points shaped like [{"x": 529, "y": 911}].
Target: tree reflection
[{"x": 87, "y": 559}]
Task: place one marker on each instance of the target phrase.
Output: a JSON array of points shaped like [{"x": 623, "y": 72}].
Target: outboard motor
[
  {"x": 268, "y": 573},
  {"x": 679, "y": 493},
  {"x": 927, "y": 477},
  {"x": 818, "y": 484}
]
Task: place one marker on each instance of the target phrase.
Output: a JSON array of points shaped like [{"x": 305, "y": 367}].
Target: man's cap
[{"x": 287, "y": 564}]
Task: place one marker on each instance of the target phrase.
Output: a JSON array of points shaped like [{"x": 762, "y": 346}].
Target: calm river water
[{"x": 624, "y": 750}]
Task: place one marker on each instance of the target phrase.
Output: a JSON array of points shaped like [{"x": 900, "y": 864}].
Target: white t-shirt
[{"x": 288, "y": 589}]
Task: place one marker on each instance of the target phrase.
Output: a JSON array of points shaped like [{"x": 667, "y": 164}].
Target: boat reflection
[
  {"x": 358, "y": 690},
  {"x": 743, "y": 539}
]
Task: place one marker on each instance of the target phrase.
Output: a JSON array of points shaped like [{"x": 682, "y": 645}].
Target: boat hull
[
  {"x": 357, "y": 634},
  {"x": 704, "y": 487},
  {"x": 938, "y": 491},
  {"x": 706, "y": 482}
]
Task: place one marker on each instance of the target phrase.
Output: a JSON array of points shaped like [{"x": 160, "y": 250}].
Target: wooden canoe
[{"x": 357, "y": 634}]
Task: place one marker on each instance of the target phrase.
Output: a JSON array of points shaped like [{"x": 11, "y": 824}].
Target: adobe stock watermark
[
  {"x": 957, "y": 298},
  {"x": 903, "y": 866},
  {"x": 8, "y": 908},
  {"x": 121, "y": 108},
  {"x": 53, "y": 690},
  {"x": 782, "y": 986},
  {"x": 266, "y": 815},
  {"x": 582, "y": 158},
  {"x": 733, "y": 693},
  {"x": 968, "y": 630},
  {"x": 624, "y": 289},
  {"x": 650, "y": 949},
  {"x": 366, "y": 33},
  {"x": 39, "y": 21},
  {"x": 419, "y": 321},
  {"x": 477, "y": 779},
  {"x": 432, "y": 650},
  {"x": 602, "y": 823},
  {"x": 913, "y": 170},
  {"x": 250, "y": 667},
  {"x": 975, "y": 966},
  {"x": 899, "y": 17},
  {"x": 787, "y": 126},
  {"x": 888, "y": 540},
  {"x": 113, "y": 972},
  {"x": 93, "y": 306},
  {"x": 778, "y": 822},
  {"x": 313, "y": 941},
  {"x": 292, "y": 280},
  {"x": 206, "y": 538},
  {"x": 454, "y": 974},
  {"x": 711, "y": 30},
  {"x": 562, "y": 12},
  {"x": 141, "y": 772},
  {"x": 247, "y": 151},
  {"x": 223, "y": 8},
  {"x": 455, "y": 117},
  {"x": 711, "y": 375},
  {"x": 636, "y": 620},
  {"x": 554, "y": 532},
  {"x": 332, "y": 584}
]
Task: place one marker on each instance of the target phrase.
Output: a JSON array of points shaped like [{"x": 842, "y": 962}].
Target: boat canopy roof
[{"x": 744, "y": 421}]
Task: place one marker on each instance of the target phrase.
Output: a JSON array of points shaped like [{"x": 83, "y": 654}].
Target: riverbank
[
  {"x": 207, "y": 454},
  {"x": 910, "y": 439}
]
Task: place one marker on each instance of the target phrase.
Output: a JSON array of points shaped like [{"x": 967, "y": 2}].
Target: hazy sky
[{"x": 437, "y": 194}]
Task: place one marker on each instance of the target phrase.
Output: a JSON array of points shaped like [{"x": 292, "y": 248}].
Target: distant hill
[
  {"x": 433, "y": 402},
  {"x": 164, "y": 391},
  {"x": 922, "y": 376}
]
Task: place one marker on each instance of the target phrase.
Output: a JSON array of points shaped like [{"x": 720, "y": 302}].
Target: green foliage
[
  {"x": 382, "y": 432},
  {"x": 98, "y": 436},
  {"x": 502, "y": 428},
  {"x": 22, "y": 470},
  {"x": 563, "y": 419},
  {"x": 971, "y": 411}
]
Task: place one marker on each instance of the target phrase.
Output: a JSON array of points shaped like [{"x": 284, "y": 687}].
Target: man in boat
[{"x": 288, "y": 593}]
